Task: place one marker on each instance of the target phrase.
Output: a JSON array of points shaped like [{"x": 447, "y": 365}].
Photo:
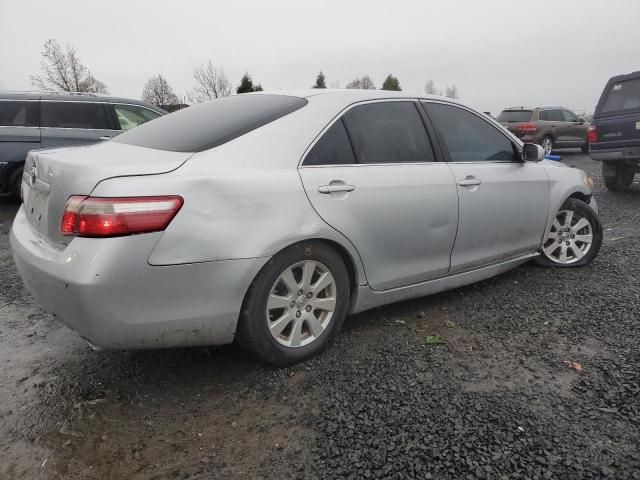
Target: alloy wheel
[
  {"x": 570, "y": 238},
  {"x": 301, "y": 304},
  {"x": 547, "y": 145}
]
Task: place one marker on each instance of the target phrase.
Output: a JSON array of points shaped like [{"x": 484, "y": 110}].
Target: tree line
[{"x": 62, "y": 70}]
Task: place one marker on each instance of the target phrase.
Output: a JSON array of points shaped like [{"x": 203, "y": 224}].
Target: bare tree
[
  {"x": 211, "y": 82},
  {"x": 158, "y": 92},
  {"x": 364, "y": 83},
  {"x": 430, "y": 88},
  {"x": 452, "y": 92},
  {"x": 63, "y": 70}
]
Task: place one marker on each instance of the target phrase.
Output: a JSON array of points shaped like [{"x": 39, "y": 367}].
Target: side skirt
[{"x": 368, "y": 298}]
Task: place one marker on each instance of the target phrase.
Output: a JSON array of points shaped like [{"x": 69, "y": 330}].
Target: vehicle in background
[
  {"x": 615, "y": 131},
  {"x": 266, "y": 218},
  {"x": 37, "y": 120},
  {"x": 550, "y": 127}
]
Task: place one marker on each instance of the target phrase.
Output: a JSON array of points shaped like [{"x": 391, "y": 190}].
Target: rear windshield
[
  {"x": 210, "y": 124},
  {"x": 19, "y": 113},
  {"x": 623, "y": 95},
  {"x": 514, "y": 116}
]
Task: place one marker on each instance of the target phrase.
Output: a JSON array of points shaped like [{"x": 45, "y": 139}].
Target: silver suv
[{"x": 37, "y": 120}]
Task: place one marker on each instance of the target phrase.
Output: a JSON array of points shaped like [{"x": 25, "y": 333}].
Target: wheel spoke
[
  {"x": 563, "y": 253},
  {"x": 550, "y": 249},
  {"x": 328, "y": 304},
  {"x": 323, "y": 282},
  {"x": 577, "y": 252},
  {"x": 556, "y": 224},
  {"x": 307, "y": 273},
  {"x": 314, "y": 325},
  {"x": 583, "y": 238},
  {"x": 295, "y": 338},
  {"x": 290, "y": 282},
  {"x": 568, "y": 218},
  {"x": 580, "y": 224},
  {"x": 280, "y": 324},
  {"x": 278, "y": 301}
]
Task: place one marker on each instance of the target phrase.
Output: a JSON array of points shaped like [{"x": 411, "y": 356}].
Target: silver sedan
[{"x": 267, "y": 218}]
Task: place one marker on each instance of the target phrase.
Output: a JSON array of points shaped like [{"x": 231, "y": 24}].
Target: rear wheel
[
  {"x": 547, "y": 144},
  {"x": 296, "y": 305},
  {"x": 586, "y": 148},
  {"x": 15, "y": 181},
  {"x": 622, "y": 180},
  {"x": 575, "y": 236}
]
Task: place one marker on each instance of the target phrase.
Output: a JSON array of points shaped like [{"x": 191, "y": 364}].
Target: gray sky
[{"x": 497, "y": 52}]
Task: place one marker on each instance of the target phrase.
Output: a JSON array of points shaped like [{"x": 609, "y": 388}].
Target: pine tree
[
  {"x": 320, "y": 81},
  {"x": 246, "y": 85},
  {"x": 391, "y": 83}
]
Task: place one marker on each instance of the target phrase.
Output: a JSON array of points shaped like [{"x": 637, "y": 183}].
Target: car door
[
  {"x": 71, "y": 122},
  {"x": 373, "y": 176},
  {"x": 503, "y": 201},
  {"x": 576, "y": 131},
  {"x": 558, "y": 127}
]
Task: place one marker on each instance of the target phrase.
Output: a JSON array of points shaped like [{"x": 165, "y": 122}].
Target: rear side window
[
  {"x": 130, "y": 116},
  {"x": 388, "y": 132},
  {"x": 544, "y": 115},
  {"x": 210, "y": 124},
  {"x": 468, "y": 137},
  {"x": 334, "y": 148},
  {"x": 19, "y": 114},
  {"x": 514, "y": 116},
  {"x": 623, "y": 95},
  {"x": 76, "y": 115}
]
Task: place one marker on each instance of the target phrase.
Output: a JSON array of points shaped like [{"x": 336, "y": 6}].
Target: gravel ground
[{"x": 538, "y": 377}]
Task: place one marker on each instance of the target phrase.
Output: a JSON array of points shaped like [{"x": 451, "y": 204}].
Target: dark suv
[
  {"x": 615, "y": 131},
  {"x": 33, "y": 120},
  {"x": 551, "y": 127}
]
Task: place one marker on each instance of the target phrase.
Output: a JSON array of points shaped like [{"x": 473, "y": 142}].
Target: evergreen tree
[
  {"x": 391, "y": 83},
  {"x": 320, "y": 83},
  {"x": 246, "y": 85}
]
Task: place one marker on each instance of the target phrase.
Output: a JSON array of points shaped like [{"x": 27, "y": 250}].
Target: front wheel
[
  {"x": 296, "y": 305},
  {"x": 575, "y": 236}
]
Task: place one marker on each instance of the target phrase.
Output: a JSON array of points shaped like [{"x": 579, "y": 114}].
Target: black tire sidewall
[
  {"x": 584, "y": 210},
  {"x": 253, "y": 333},
  {"x": 622, "y": 180},
  {"x": 15, "y": 181}
]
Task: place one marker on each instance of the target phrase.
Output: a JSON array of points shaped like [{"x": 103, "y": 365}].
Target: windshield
[
  {"x": 209, "y": 124},
  {"x": 514, "y": 116}
]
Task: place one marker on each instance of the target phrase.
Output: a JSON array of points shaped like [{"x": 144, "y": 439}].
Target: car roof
[
  {"x": 73, "y": 97},
  {"x": 543, "y": 107}
]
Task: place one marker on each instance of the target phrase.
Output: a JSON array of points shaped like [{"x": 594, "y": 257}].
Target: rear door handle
[
  {"x": 336, "y": 188},
  {"x": 469, "y": 182}
]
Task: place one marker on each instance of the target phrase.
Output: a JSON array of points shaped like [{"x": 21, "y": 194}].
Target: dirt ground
[{"x": 533, "y": 374}]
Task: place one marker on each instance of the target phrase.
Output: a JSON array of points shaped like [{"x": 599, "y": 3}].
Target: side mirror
[{"x": 532, "y": 152}]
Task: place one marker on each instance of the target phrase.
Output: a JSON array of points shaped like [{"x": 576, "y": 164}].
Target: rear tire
[
  {"x": 575, "y": 237},
  {"x": 586, "y": 148},
  {"x": 622, "y": 180},
  {"x": 15, "y": 181},
  {"x": 279, "y": 324}
]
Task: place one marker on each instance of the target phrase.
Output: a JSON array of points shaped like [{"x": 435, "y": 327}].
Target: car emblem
[{"x": 33, "y": 175}]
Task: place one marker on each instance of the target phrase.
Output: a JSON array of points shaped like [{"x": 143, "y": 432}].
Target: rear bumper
[
  {"x": 106, "y": 291},
  {"x": 616, "y": 154}
]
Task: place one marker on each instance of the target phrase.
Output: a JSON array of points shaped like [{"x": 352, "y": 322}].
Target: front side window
[
  {"x": 18, "y": 114},
  {"x": 93, "y": 116},
  {"x": 334, "y": 148},
  {"x": 468, "y": 137},
  {"x": 130, "y": 116},
  {"x": 569, "y": 116},
  {"x": 388, "y": 132},
  {"x": 556, "y": 115}
]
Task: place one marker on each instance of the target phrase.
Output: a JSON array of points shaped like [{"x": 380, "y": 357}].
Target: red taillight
[
  {"x": 593, "y": 134},
  {"x": 527, "y": 129},
  {"x": 112, "y": 217}
]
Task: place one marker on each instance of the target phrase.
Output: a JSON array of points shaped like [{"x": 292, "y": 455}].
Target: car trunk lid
[{"x": 52, "y": 176}]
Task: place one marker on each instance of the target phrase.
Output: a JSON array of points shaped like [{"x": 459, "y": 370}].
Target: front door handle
[
  {"x": 336, "y": 188},
  {"x": 469, "y": 182}
]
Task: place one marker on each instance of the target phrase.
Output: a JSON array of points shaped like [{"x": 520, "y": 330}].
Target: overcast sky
[{"x": 497, "y": 52}]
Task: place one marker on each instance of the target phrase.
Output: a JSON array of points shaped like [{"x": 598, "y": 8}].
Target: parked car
[
  {"x": 267, "y": 218},
  {"x": 33, "y": 120},
  {"x": 550, "y": 127},
  {"x": 615, "y": 131}
]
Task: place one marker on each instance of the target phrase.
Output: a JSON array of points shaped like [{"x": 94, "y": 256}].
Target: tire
[
  {"x": 288, "y": 344},
  {"x": 546, "y": 142},
  {"x": 586, "y": 148},
  {"x": 15, "y": 182},
  {"x": 582, "y": 222},
  {"x": 622, "y": 180}
]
